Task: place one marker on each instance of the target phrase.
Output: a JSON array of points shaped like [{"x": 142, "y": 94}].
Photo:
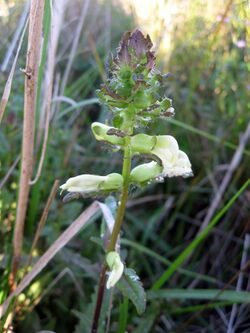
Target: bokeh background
[{"x": 204, "y": 47}]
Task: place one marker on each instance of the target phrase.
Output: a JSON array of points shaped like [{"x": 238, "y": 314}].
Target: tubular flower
[
  {"x": 116, "y": 268},
  {"x": 174, "y": 161},
  {"x": 93, "y": 183}
]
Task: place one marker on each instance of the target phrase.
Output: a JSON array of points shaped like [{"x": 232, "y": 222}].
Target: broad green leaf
[{"x": 131, "y": 287}]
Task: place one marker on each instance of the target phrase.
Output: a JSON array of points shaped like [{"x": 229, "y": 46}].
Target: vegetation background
[{"x": 201, "y": 281}]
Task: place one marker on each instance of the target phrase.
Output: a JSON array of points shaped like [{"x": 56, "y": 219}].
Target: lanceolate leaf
[
  {"x": 204, "y": 294},
  {"x": 131, "y": 287}
]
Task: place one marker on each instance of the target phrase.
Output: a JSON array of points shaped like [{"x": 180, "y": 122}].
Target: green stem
[
  {"x": 116, "y": 230},
  {"x": 124, "y": 196}
]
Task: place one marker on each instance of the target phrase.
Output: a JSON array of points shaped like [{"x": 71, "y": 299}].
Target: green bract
[{"x": 133, "y": 83}]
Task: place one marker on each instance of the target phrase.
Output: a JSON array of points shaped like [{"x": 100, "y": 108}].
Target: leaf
[
  {"x": 204, "y": 294},
  {"x": 131, "y": 287}
]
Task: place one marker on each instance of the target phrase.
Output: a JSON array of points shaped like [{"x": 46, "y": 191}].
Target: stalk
[
  {"x": 31, "y": 72},
  {"x": 116, "y": 230},
  {"x": 124, "y": 196}
]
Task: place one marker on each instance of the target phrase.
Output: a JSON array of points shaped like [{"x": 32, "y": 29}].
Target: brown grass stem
[{"x": 31, "y": 76}]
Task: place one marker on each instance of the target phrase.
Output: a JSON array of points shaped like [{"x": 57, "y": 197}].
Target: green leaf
[
  {"x": 206, "y": 135},
  {"x": 131, "y": 287},
  {"x": 204, "y": 294},
  {"x": 123, "y": 315}
]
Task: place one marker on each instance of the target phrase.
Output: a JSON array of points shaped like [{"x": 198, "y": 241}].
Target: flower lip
[{"x": 174, "y": 161}]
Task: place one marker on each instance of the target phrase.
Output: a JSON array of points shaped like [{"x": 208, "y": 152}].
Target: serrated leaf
[{"x": 131, "y": 287}]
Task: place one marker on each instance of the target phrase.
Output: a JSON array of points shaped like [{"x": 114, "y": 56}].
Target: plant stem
[
  {"x": 124, "y": 196},
  {"x": 116, "y": 230},
  {"x": 98, "y": 306}
]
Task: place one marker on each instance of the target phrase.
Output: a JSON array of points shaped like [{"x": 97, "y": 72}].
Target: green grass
[{"x": 198, "y": 239}]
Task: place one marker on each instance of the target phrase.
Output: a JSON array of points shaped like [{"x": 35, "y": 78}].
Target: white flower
[
  {"x": 116, "y": 268},
  {"x": 174, "y": 161},
  {"x": 93, "y": 183}
]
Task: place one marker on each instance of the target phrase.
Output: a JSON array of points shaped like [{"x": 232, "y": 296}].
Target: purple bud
[{"x": 135, "y": 49}]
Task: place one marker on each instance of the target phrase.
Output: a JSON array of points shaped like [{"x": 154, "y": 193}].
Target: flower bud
[
  {"x": 93, "y": 183},
  {"x": 135, "y": 50},
  {"x": 116, "y": 268},
  {"x": 145, "y": 172},
  {"x": 100, "y": 132}
]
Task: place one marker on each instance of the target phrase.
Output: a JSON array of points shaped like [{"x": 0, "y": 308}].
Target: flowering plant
[{"x": 132, "y": 94}]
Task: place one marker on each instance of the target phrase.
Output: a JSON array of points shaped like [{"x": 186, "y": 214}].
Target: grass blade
[
  {"x": 205, "y": 135},
  {"x": 61, "y": 241},
  {"x": 204, "y": 294},
  {"x": 199, "y": 238}
]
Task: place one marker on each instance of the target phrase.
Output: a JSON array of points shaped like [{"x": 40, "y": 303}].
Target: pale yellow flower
[
  {"x": 174, "y": 161},
  {"x": 93, "y": 183}
]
